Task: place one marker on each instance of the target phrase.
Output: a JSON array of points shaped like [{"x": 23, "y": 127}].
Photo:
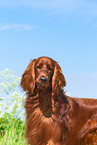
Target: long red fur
[{"x": 53, "y": 118}]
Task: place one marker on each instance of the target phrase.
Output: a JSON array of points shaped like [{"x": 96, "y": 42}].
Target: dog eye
[
  {"x": 38, "y": 67},
  {"x": 49, "y": 68}
]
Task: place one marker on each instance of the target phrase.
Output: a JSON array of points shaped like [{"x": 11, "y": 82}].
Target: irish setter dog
[{"x": 53, "y": 118}]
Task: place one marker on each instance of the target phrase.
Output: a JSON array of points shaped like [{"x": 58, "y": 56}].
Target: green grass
[{"x": 12, "y": 131}]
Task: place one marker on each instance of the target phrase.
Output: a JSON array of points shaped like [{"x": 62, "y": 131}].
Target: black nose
[{"x": 43, "y": 79}]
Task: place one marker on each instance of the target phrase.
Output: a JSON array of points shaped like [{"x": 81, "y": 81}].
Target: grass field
[{"x": 12, "y": 131}]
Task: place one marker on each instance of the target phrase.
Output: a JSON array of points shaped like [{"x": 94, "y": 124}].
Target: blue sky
[{"x": 63, "y": 30}]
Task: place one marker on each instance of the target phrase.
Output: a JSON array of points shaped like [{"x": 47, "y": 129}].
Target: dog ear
[
  {"x": 58, "y": 80},
  {"x": 28, "y": 78}
]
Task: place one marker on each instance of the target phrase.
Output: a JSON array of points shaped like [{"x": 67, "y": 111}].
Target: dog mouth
[
  {"x": 39, "y": 85},
  {"x": 42, "y": 86}
]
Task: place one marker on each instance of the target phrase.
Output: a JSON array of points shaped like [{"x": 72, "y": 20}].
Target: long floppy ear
[
  {"x": 28, "y": 78},
  {"x": 58, "y": 80}
]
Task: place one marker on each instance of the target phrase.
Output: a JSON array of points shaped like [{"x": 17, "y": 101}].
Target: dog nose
[{"x": 43, "y": 79}]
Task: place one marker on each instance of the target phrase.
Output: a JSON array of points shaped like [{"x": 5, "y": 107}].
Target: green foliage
[{"x": 12, "y": 126}]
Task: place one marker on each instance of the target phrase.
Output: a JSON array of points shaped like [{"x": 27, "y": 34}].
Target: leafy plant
[{"x": 12, "y": 124}]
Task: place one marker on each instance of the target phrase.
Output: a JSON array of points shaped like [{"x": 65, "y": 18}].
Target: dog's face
[{"x": 44, "y": 70}]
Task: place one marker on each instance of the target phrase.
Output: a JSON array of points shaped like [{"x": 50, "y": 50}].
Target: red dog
[{"x": 52, "y": 117}]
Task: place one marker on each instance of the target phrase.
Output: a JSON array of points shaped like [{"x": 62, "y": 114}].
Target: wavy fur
[{"x": 52, "y": 118}]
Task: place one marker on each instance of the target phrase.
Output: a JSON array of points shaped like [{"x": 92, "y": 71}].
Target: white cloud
[{"x": 16, "y": 27}]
